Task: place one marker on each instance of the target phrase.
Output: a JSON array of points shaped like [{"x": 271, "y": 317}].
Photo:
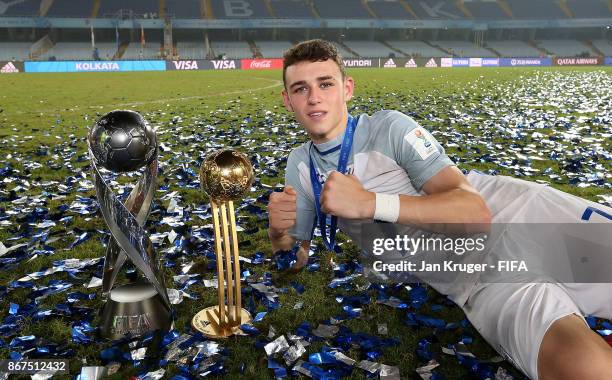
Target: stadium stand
[
  {"x": 589, "y": 8},
  {"x": 542, "y": 9},
  {"x": 341, "y": 9},
  {"x": 390, "y": 9},
  {"x": 417, "y": 49},
  {"x": 240, "y": 9},
  {"x": 231, "y": 49},
  {"x": 183, "y": 8},
  {"x": 370, "y": 49},
  {"x": 71, "y": 8},
  {"x": 604, "y": 46},
  {"x": 106, "y": 49},
  {"x": 110, "y": 8},
  {"x": 514, "y": 48},
  {"x": 191, "y": 50},
  {"x": 20, "y": 8},
  {"x": 273, "y": 49},
  {"x": 564, "y": 48},
  {"x": 291, "y": 9},
  {"x": 464, "y": 49},
  {"x": 71, "y": 50},
  {"x": 134, "y": 51},
  {"x": 485, "y": 9},
  {"x": 435, "y": 10},
  {"x": 343, "y": 51},
  {"x": 10, "y": 51}
]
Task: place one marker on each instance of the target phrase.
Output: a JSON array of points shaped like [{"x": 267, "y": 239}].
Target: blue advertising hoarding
[
  {"x": 608, "y": 61},
  {"x": 525, "y": 62},
  {"x": 93, "y": 66}
]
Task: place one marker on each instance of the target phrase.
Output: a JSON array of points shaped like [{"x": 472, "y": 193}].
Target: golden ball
[{"x": 226, "y": 175}]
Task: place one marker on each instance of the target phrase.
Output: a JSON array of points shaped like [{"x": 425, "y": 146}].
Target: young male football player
[{"x": 386, "y": 167}]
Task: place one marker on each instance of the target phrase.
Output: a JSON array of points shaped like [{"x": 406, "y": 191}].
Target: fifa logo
[{"x": 420, "y": 135}]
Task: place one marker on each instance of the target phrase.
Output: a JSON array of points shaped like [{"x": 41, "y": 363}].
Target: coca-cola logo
[{"x": 261, "y": 64}]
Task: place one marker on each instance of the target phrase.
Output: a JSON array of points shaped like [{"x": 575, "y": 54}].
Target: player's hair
[{"x": 313, "y": 51}]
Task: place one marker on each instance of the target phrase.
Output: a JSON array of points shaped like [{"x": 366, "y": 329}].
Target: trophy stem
[
  {"x": 212, "y": 321},
  {"x": 219, "y": 253},
  {"x": 228, "y": 265},
  {"x": 236, "y": 288}
]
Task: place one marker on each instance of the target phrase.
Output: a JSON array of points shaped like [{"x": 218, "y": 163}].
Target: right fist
[{"x": 282, "y": 210}]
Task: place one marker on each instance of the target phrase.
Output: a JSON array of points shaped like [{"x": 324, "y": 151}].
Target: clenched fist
[
  {"x": 345, "y": 197},
  {"x": 282, "y": 211}
]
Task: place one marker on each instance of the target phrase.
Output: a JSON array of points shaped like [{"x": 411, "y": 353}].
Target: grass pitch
[{"x": 44, "y": 119}]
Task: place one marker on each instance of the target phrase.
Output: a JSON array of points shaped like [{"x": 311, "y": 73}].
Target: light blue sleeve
[
  {"x": 306, "y": 214},
  {"x": 415, "y": 149}
]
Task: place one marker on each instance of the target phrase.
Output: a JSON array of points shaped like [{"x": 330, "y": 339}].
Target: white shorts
[{"x": 513, "y": 317}]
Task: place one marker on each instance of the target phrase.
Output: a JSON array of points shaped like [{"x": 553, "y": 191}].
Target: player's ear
[
  {"x": 349, "y": 85},
  {"x": 287, "y": 101}
]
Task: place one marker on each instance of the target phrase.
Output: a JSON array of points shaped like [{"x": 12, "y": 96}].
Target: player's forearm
[
  {"x": 456, "y": 206},
  {"x": 456, "y": 211}
]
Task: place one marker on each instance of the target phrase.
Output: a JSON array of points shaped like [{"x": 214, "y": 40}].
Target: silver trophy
[{"x": 123, "y": 141}]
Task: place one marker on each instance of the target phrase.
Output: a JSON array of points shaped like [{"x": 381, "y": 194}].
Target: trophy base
[
  {"x": 206, "y": 321},
  {"x": 134, "y": 310}
]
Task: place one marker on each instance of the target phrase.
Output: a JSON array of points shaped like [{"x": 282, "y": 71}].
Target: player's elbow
[{"x": 477, "y": 215}]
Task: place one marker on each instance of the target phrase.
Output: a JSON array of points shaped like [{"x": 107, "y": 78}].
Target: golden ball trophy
[{"x": 225, "y": 175}]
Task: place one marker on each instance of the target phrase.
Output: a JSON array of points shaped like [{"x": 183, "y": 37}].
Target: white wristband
[{"x": 387, "y": 207}]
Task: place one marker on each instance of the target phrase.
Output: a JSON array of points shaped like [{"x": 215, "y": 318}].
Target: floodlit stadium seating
[
  {"x": 341, "y": 9},
  {"x": 240, "y": 9},
  {"x": 436, "y": 9},
  {"x": 183, "y": 8},
  {"x": 370, "y": 48},
  {"x": 14, "y": 51},
  {"x": 232, "y": 49},
  {"x": 589, "y": 8},
  {"x": 389, "y": 9},
  {"x": 485, "y": 9},
  {"x": 343, "y": 52},
  {"x": 417, "y": 49},
  {"x": 109, "y": 8},
  {"x": 464, "y": 49},
  {"x": 273, "y": 49},
  {"x": 291, "y": 9},
  {"x": 71, "y": 8},
  {"x": 151, "y": 51},
  {"x": 70, "y": 50},
  {"x": 604, "y": 46},
  {"x": 564, "y": 48},
  {"x": 514, "y": 48},
  {"x": 536, "y": 9},
  {"x": 191, "y": 50},
  {"x": 24, "y": 8},
  {"x": 106, "y": 50}
]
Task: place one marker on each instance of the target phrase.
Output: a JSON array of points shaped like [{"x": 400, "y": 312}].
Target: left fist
[{"x": 344, "y": 196}]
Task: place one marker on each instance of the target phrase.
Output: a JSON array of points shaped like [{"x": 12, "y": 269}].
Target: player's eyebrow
[{"x": 319, "y": 79}]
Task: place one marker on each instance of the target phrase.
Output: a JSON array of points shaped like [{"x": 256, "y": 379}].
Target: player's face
[{"x": 317, "y": 95}]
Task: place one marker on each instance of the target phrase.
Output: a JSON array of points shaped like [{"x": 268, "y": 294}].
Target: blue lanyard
[{"x": 317, "y": 186}]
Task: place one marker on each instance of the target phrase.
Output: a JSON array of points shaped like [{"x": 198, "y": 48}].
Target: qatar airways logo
[
  {"x": 261, "y": 64},
  {"x": 97, "y": 66},
  {"x": 577, "y": 61}
]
